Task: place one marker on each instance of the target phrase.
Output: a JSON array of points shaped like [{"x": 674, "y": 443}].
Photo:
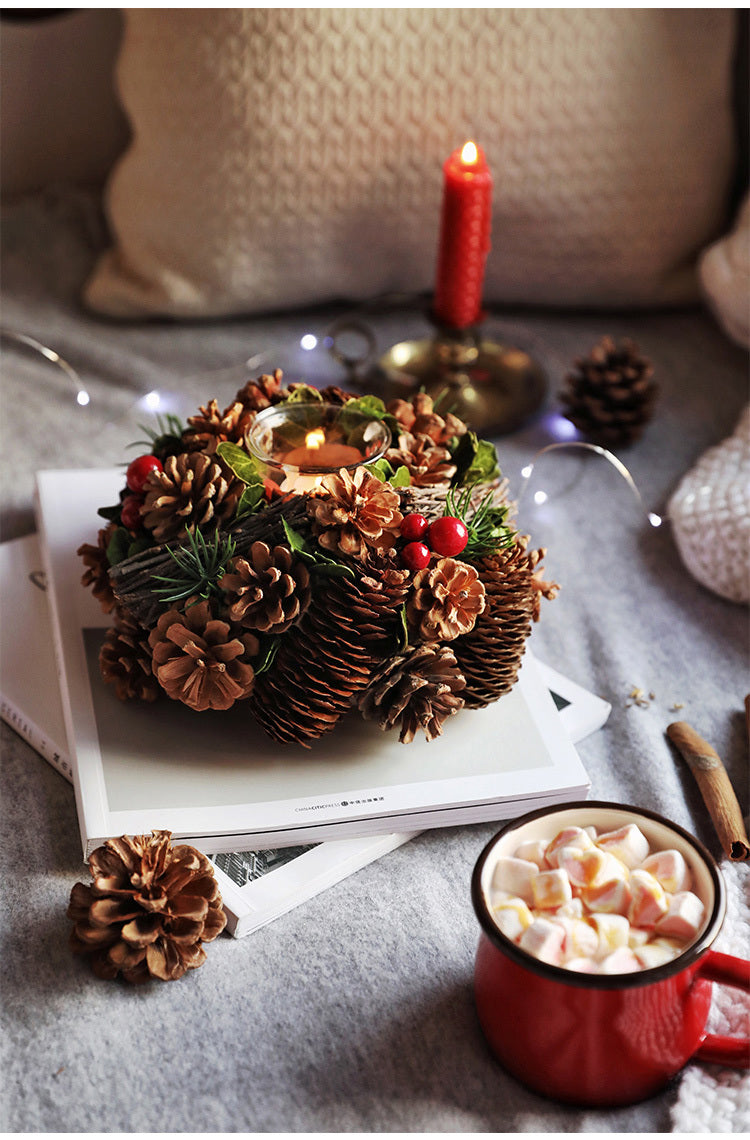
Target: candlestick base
[{"x": 493, "y": 387}]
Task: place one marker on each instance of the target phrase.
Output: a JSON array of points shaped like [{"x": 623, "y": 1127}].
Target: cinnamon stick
[{"x": 716, "y": 789}]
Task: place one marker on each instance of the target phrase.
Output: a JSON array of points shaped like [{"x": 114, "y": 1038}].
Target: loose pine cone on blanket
[
  {"x": 610, "y": 394},
  {"x": 304, "y": 606},
  {"x": 149, "y": 910}
]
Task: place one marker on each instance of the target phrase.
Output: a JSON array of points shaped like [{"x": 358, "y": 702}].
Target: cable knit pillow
[{"x": 290, "y": 155}]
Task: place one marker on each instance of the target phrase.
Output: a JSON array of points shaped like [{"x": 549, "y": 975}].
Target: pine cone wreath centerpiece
[
  {"x": 610, "y": 394},
  {"x": 149, "y": 910},
  {"x": 397, "y": 588}
]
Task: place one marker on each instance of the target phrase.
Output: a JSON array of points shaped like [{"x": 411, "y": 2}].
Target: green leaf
[
  {"x": 118, "y": 545},
  {"x": 139, "y": 544},
  {"x": 319, "y": 562},
  {"x": 401, "y": 478},
  {"x": 297, "y": 542},
  {"x": 239, "y": 462},
  {"x": 381, "y": 469},
  {"x": 110, "y": 513},
  {"x": 372, "y": 407},
  {"x": 251, "y": 499},
  {"x": 476, "y": 460}
]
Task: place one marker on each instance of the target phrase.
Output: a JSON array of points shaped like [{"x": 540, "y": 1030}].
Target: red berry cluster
[
  {"x": 446, "y": 536},
  {"x": 136, "y": 476}
]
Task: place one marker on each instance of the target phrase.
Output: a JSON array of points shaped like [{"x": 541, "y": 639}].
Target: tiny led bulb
[{"x": 469, "y": 153}]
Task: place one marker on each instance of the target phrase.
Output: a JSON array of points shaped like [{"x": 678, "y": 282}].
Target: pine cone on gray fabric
[
  {"x": 428, "y": 463},
  {"x": 200, "y": 661},
  {"x": 96, "y": 575},
  {"x": 490, "y": 655},
  {"x": 610, "y": 393},
  {"x": 193, "y": 491},
  {"x": 125, "y": 659},
  {"x": 149, "y": 910},
  {"x": 445, "y": 601},
  {"x": 268, "y": 590},
  {"x": 417, "y": 690}
]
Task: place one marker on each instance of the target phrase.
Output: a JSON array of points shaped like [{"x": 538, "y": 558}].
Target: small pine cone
[
  {"x": 257, "y": 395},
  {"x": 198, "y": 660},
  {"x": 97, "y": 568},
  {"x": 446, "y": 599},
  {"x": 418, "y": 690},
  {"x": 268, "y": 591},
  {"x": 149, "y": 910},
  {"x": 212, "y": 427},
  {"x": 191, "y": 492},
  {"x": 490, "y": 655},
  {"x": 335, "y": 395},
  {"x": 125, "y": 660},
  {"x": 610, "y": 394},
  {"x": 354, "y": 511},
  {"x": 427, "y": 463}
]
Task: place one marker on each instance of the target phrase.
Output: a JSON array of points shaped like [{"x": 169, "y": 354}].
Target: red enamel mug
[{"x": 592, "y": 1039}]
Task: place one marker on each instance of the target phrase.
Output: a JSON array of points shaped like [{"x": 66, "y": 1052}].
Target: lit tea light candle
[
  {"x": 464, "y": 237},
  {"x": 297, "y": 445}
]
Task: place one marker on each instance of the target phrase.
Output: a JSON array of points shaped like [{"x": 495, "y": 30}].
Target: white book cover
[
  {"x": 256, "y": 886},
  {"x": 216, "y": 781}
]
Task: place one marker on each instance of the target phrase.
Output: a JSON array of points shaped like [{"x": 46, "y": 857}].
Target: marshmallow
[
  {"x": 627, "y": 843},
  {"x": 551, "y": 889},
  {"x": 683, "y": 918},
  {"x": 581, "y": 939},
  {"x": 590, "y": 868},
  {"x": 533, "y": 851},
  {"x": 572, "y": 909},
  {"x": 658, "y": 952},
  {"x": 649, "y": 900},
  {"x": 543, "y": 939},
  {"x": 582, "y": 965},
  {"x": 620, "y": 961},
  {"x": 591, "y": 832},
  {"x": 612, "y": 932},
  {"x": 514, "y": 875},
  {"x": 512, "y": 917},
  {"x": 670, "y": 868},
  {"x": 638, "y": 937},
  {"x": 613, "y": 897},
  {"x": 568, "y": 837}
]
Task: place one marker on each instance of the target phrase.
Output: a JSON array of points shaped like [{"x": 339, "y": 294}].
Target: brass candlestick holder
[{"x": 493, "y": 387}]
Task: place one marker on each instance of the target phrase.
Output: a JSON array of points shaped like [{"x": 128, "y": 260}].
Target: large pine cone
[
  {"x": 428, "y": 464},
  {"x": 446, "y": 600},
  {"x": 320, "y": 666},
  {"x": 490, "y": 655},
  {"x": 369, "y": 607},
  {"x": 610, "y": 394},
  {"x": 352, "y": 512},
  {"x": 199, "y": 661},
  {"x": 96, "y": 574},
  {"x": 149, "y": 910},
  {"x": 418, "y": 690},
  {"x": 193, "y": 491},
  {"x": 268, "y": 591},
  {"x": 125, "y": 660}
]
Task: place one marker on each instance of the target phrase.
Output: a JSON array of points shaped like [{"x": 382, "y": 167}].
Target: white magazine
[
  {"x": 256, "y": 886},
  {"x": 216, "y": 781}
]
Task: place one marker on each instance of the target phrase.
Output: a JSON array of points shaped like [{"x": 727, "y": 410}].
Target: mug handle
[{"x": 732, "y": 1052}]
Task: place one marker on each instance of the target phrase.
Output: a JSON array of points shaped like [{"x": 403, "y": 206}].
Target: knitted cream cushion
[{"x": 292, "y": 155}]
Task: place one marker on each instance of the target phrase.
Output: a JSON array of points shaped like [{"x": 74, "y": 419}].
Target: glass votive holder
[{"x": 298, "y": 444}]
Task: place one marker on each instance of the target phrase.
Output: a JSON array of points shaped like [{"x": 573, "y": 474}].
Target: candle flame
[
  {"x": 315, "y": 439},
  {"x": 469, "y": 153}
]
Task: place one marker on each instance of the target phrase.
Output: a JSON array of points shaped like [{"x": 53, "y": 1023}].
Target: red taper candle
[{"x": 464, "y": 238}]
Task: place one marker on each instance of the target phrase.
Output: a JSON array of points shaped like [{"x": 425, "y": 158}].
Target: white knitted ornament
[{"x": 710, "y": 516}]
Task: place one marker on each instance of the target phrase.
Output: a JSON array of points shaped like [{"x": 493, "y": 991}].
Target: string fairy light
[
  {"x": 82, "y": 396},
  {"x": 541, "y": 496}
]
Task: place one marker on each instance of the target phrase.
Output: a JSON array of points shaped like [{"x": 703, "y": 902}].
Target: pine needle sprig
[
  {"x": 487, "y": 524},
  {"x": 200, "y": 565},
  {"x": 165, "y": 440}
]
